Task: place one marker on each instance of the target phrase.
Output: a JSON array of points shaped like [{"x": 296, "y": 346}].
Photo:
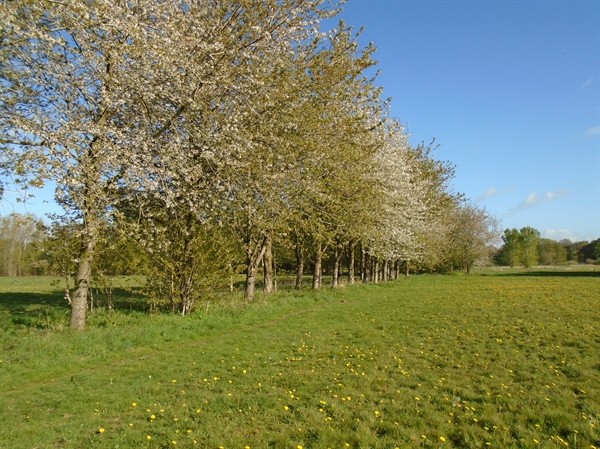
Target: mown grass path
[{"x": 428, "y": 361}]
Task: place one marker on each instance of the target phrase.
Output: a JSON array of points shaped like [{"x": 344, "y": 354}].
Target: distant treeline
[{"x": 525, "y": 247}]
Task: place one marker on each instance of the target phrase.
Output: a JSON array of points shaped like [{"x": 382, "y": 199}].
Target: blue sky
[{"x": 509, "y": 90}]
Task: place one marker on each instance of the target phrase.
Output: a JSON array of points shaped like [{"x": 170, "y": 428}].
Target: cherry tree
[{"x": 105, "y": 97}]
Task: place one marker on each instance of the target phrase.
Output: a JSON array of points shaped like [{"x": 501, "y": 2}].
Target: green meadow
[{"x": 500, "y": 359}]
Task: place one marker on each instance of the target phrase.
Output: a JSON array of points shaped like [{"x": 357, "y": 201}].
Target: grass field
[{"x": 508, "y": 359}]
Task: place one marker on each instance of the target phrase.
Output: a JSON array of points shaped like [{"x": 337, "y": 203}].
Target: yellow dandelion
[
  {"x": 133, "y": 404},
  {"x": 101, "y": 430},
  {"x": 148, "y": 437},
  {"x": 442, "y": 439}
]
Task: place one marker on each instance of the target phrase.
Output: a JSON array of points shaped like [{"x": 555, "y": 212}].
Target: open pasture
[{"x": 503, "y": 360}]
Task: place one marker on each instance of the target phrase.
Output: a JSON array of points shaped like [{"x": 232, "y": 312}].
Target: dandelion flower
[
  {"x": 101, "y": 430},
  {"x": 148, "y": 437},
  {"x": 133, "y": 404},
  {"x": 442, "y": 439}
]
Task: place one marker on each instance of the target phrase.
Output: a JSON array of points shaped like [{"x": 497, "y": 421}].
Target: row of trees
[
  {"x": 526, "y": 247},
  {"x": 198, "y": 134},
  {"x": 30, "y": 246}
]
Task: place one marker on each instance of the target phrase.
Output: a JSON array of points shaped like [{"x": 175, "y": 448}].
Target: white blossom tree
[{"x": 112, "y": 96}]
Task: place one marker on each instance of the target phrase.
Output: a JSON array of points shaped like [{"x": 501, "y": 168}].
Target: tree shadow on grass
[
  {"x": 32, "y": 309},
  {"x": 550, "y": 273},
  {"x": 42, "y": 310}
]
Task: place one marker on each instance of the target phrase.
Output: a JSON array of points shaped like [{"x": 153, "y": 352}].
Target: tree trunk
[
  {"x": 363, "y": 264},
  {"x": 299, "y": 265},
  {"x": 251, "y": 272},
  {"x": 351, "y": 263},
  {"x": 84, "y": 275},
  {"x": 186, "y": 274},
  {"x": 269, "y": 278},
  {"x": 385, "y": 271},
  {"x": 336, "y": 268},
  {"x": 376, "y": 271},
  {"x": 231, "y": 273},
  {"x": 318, "y": 266},
  {"x": 254, "y": 254}
]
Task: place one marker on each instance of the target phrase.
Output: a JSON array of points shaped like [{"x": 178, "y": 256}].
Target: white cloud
[
  {"x": 556, "y": 195},
  {"x": 532, "y": 200},
  {"x": 592, "y": 132},
  {"x": 491, "y": 192},
  {"x": 587, "y": 83},
  {"x": 560, "y": 234}
]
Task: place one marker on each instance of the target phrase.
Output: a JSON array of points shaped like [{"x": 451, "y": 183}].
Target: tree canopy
[{"x": 206, "y": 135}]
